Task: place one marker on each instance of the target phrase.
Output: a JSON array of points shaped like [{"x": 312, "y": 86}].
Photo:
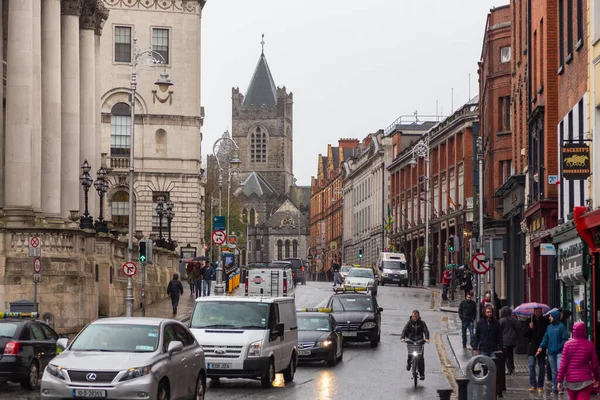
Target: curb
[
  {"x": 454, "y": 354},
  {"x": 448, "y": 309}
]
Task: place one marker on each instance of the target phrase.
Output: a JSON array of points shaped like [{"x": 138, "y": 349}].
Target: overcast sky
[{"x": 354, "y": 66}]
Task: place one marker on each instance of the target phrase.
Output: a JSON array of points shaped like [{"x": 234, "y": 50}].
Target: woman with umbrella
[{"x": 534, "y": 331}]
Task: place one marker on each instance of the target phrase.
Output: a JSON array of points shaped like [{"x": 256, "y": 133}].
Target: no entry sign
[{"x": 479, "y": 264}]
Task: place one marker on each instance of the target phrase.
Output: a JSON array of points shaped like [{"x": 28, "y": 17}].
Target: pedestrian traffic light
[
  {"x": 360, "y": 252},
  {"x": 451, "y": 244},
  {"x": 145, "y": 251}
]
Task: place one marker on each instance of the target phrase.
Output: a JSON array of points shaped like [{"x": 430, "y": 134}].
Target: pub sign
[{"x": 576, "y": 164}]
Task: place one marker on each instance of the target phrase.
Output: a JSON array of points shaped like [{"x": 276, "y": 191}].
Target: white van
[
  {"x": 393, "y": 269},
  {"x": 247, "y": 337},
  {"x": 269, "y": 282}
]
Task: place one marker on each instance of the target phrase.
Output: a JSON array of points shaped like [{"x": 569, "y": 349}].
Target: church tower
[{"x": 262, "y": 123}]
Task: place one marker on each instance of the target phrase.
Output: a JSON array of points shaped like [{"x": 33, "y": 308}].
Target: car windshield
[
  {"x": 230, "y": 314},
  {"x": 313, "y": 324},
  {"x": 346, "y": 268},
  {"x": 8, "y": 329},
  {"x": 351, "y": 303},
  {"x": 121, "y": 338},
  {"x": 361, "y": 273},
  {"x": 388, "y": 264}
]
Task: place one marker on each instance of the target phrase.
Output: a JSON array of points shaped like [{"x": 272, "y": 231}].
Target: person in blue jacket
[{"x": 554, "y": 340}]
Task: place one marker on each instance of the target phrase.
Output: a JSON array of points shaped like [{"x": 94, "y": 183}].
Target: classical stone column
[
  {"x": 87, "y": 101},
  {"x": 102, "y": 17},
  {"x": 71, "y": 10},
  {"x": 36, "y": 134},
  {"x": 51, "y": 110},
  {"x": 1, "y": 98},
  {"x": 19, "y": 109}
]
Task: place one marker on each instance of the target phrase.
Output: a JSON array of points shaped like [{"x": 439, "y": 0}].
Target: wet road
[{"x": 363, "y": 372}]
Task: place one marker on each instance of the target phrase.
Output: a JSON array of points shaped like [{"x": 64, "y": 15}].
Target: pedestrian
[
  {"x": 446, "y": 281},
  {"x": 510, "y": 335},
  {"x": 467, "y": 311},
  {"x": 535, "y": 331},
  {"x": 174, "y": 290},
  {"x": 190, "y": 277},
  {"x": 467, "y": 280},
  {"x": 336, "y": 274},
  {"x": 207, "y": 276},
  {"x": 197, "y": 274},
  {"x": 488, "y": 335},
  {"x": 579, "y": 365},
  {"x": 554, "y": 340}
]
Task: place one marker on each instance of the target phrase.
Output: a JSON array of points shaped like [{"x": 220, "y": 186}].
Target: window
[
  {"x": 561, "y": 32},
  {"x": 579, "y": 22},
  {"x": 287, "y": 249},
  {"x": 120, "y": 209},
  {"x": 295, "y": 248},
  {"x": 50, "y": 334},
  {"x": 160, "y": 43},
  {"x": 506, "y": 170},
  {"x": 505, "y": 113},
  {"x": 569, "y": 27},
  {"x": 252, "y": 217},
  {"x": 36, "y": 332},
  {"x": 155, "y": 219},
  {"x": 120, "y": 130},
  {"x": 505, "y": 54},
  {"x": 279, "y": 250},
  {"x": 123, "y": 44},
  {"x": 258, "y": 146}
]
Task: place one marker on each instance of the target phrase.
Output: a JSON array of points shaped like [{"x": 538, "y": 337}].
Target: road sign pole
[
  {"x": 453, "y": 283},
  {"x": 143, "y": 289},
  {"x": 35, "y": 305},
  {"x": 492, "y": 269}
]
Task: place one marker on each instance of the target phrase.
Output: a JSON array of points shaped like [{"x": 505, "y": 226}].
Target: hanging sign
[{"x": 576, "y": 164}]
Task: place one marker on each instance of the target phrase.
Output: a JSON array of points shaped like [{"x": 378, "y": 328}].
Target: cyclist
[{"x": 415, "y": 330}]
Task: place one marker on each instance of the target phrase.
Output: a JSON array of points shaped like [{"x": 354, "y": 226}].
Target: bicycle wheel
[{"x": 414, "y": 370}]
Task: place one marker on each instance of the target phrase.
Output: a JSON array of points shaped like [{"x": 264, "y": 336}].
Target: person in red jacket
[
  {"x": 446, "y": 281},
  {"x": 579, "y": 365}
]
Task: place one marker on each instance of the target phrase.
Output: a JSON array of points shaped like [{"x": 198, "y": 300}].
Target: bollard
[
  {"x": 445, "y": 394},
  {"x": 463, "y": 387},
  {"x": 481, "y": 386},
  {"x": 500, "y": 370}
]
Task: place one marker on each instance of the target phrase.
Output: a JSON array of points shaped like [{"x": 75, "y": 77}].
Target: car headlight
[
  {"x": 56, "y": 371},
  {"x": 324, "y": 343},
  {"x": 254, "y": 349},
  {"x": 133, "y": 373},
  {"x": 385, "y": 274},
  {"x": 368, "y": 325},
  {"x": 370, "y": 283}
]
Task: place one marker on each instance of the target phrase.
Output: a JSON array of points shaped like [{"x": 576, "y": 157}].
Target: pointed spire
[
  {"x": 262, "y": 89},
  {"x": 262, "y": 43}
]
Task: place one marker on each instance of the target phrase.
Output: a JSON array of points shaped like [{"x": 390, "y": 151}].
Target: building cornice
[{"x": 176, "y": 6}]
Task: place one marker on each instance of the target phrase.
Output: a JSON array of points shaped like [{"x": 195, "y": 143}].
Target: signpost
[
  {"x": 35, "y": 247},
  {"x": 479, "y": 264},
  {"x": 218, "y": 237},
  {"x": 35, "y": 250},
  {"x": 232, "y": 241},
  {"x": 129, "y": 268},
  {"x": 219, "y": 223}
]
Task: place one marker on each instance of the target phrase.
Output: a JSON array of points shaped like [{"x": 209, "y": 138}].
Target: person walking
[
  {"x": 197, "y": 275},
  {"x": 579, "y": 365},
  {"x": 488, "y": 335},
  {"x": 190, "y": 276},
  {"x": 510, "y": 335},
  {"x": 207, "y": 276},
  {"x": 535, "y": 331},
  {"x": 467, "y": 281},
  {"x": 467, "y": 311},
  {"x": 336, "y": 274},
  {"x": 554, "y": 340},
  {"x": 446, "y": 281},
  {"x": 174, "y": 290}
]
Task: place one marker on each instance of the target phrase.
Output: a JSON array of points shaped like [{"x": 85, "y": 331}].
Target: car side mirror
[
  {"x": 62, "y": 343},
  {"x": 174, "y": 347},
  {"x": 380, "y": 309}
]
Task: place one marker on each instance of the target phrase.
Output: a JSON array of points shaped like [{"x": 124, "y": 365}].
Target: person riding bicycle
[{"x": 415, "y": 330}]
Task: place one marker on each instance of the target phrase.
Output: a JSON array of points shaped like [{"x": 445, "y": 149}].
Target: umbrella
[{"x": 526, "y": 309}]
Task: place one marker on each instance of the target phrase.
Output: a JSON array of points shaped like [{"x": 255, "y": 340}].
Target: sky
[{"x": 354, "y": 66}]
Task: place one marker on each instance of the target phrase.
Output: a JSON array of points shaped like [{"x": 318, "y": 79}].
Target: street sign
[
  {"x": 129, "y": 268},
  {"x": 552, "y": 179},
  {"x": 37, "y": 278},
  {"x": 547, "y": 249},
  {"x": 35, "y": 247},
  {"x": 232, "y": 239},
  {"x": 218, "y": 237},
  {"x": 219, "y": 223},
  {"x": 37, "y": 265},
  {"x": 479, "y": 264}
]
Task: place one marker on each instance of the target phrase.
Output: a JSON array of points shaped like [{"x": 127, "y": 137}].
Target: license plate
[
  {"x": 219, "y": 366},
  {"x": 89, "y": 393},
  {"x": 348, "y": 333},
  {"x": 396, "y": 279},
  {"x": 304, "y": 352}
]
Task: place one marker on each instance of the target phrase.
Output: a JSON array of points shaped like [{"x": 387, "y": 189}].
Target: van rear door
[{"x": 266, "y": 279}]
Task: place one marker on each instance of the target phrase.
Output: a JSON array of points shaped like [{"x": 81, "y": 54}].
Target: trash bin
[
  {"x": 482, "y": 386},
  {"x": 22, "y": 306}
]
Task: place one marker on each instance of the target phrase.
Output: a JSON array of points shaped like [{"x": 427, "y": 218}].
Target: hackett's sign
[{"x": 576, "y": 164}]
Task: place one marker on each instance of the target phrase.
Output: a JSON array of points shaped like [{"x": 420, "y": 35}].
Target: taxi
[
  {"x": 361, "y": 278},
  {"x": 318, "y": 337}
]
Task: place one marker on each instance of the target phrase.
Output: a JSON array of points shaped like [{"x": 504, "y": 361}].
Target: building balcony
[{"x": 117, "y": 163}]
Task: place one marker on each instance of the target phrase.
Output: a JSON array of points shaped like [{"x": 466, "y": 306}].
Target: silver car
[{"x": 128, "y": 358}]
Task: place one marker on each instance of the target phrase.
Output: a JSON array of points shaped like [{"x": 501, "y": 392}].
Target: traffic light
[
  {"x": 451, "y": 248},
  {"x": 145, "y": 251},
  {"x": 360, "y": 252}
]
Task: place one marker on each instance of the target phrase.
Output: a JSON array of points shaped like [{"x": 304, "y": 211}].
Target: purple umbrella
[{"x": 526, "y": 309}]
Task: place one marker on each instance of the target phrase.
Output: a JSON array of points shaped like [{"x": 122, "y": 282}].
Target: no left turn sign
[
  {"x": 479, "y": 264},
  {"x": 129, "y": 268}
]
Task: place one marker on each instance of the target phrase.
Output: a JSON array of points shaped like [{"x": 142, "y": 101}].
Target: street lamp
[
  {"x": 86, "y": 221},
  {"x": 170, "y": 215},
  {"x": 223, "y": 143},
  {"x": 213, "y": 202},
  {"x": 101, "y": 186},
  {"x": 163, "y": 83},
  {"x": 421, "y": 150},
  {"x": 339, "y": 192}
]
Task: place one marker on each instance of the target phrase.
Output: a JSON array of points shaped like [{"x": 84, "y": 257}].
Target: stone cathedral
[{"x": 276, "y": 209}]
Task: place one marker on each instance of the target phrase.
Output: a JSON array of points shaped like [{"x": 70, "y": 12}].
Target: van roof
[
  {"x": 244, "y": 299},
  {"x": 394, "y": 256}
]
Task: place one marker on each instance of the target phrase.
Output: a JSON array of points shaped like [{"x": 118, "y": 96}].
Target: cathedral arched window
[
  {"x": 287, "y": 249},
  {"x": 295, "y": 248},
  {"x": 279, "y": 250},
  {"x": 258, "y": 146},
  {"x": 252, "y": 217},
  {"x": 120, "y": 130}
]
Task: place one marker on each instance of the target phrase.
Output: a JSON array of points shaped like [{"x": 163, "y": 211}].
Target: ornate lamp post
[
  {"x": 86, "y": 221},
  {"x": 101, "y": 186},
  {"x": 160, "y": 210},
  {"x": 421, "y": 150},
  {"x": 170, "y": 214}
]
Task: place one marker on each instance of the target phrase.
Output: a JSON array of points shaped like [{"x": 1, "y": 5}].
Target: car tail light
[
  {"x": 284, "y": 287},
  {"x": 12, "y": 349}
]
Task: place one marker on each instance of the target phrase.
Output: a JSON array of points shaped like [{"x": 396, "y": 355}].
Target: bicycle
[{"x": 416, "y": 349}]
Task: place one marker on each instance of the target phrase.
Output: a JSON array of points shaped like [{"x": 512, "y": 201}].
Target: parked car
[
  {"x": 123, "y": 358},
  {"x": 26, "y": 347},
  {"x": 300, "y": 269}
]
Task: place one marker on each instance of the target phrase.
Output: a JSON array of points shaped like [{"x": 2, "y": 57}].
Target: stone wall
[{"x": 81, "y": 275}]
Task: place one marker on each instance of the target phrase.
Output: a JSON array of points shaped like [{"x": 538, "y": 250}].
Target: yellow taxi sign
[
  {"x": 9, "y": 314},
  {"x": 315, "y": 309},
  {"x": 350, "y": 289}
]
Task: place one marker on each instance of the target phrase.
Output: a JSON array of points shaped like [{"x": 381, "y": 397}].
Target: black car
[
  {"x": 318, "y": 338},
  {"x": 357, "y": 316},
  {"x": 26, "y": 347},
  {"x": 299, "y": 269}
]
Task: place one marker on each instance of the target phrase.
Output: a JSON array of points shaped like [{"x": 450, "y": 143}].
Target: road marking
[{"x": 445, "y": 362}]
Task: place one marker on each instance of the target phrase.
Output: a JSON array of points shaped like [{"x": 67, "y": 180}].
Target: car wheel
[
  {"x": 341, "y": 357},
  {"x": 32, "y": 380},
  {"x": 200, "y": 386},
  {"x": 267, "y": 380},
  {"x": 382, "y": 283},
  {"x": 288, "y": 374},
  {"x": 332, "y": 362},
  {"x": 375, "y": 343},
  {"x": 400, "y": 285},
  {"x": 163, "y": 391}
]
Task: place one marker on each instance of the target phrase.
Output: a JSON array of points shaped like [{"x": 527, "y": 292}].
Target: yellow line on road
[{"x": 445, "y": 362}]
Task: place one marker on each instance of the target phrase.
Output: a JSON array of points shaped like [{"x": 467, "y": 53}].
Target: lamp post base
[
  {"x": 426, "y": 274},
  {"x": 219, "y": 289},
  {"x": 129, "y": 298}
]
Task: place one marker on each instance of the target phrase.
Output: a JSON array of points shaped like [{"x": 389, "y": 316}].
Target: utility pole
[{"x": 480, "y": 204}]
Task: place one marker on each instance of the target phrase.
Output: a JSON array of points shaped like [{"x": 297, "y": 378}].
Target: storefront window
[{"x": 579, "y": 304}]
